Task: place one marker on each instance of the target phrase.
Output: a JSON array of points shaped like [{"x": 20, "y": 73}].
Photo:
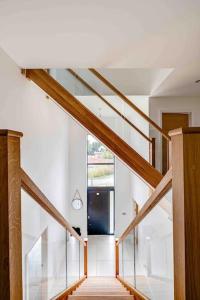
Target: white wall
[
  {"x": 157, "y": 105},
  {"x": 44, "y": 147}
]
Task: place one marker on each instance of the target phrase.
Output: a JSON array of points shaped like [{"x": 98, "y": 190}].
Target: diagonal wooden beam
[
  {"x": 130, "y": 103},
  {"x": 85, "y": 117}
]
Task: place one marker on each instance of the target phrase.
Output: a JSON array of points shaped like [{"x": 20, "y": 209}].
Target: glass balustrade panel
[
  {"x": 44, "y": 252},
  {"x": 112, "y": 110},
  {"x": 154, "y": 252},
  {"x": 129, "y": 258},
  {"x": 73, "y": 259}
]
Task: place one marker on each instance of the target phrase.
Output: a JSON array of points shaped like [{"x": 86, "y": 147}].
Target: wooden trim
[
  {"x": 10, "y": 217},
  {"x": 186, "y": 212},
  {"x": 116, "y": 258},
  {"x": 162, "y": 188},
  {"x": 152, "y": 151},
  {"x": 189, "y": 130},
  {"x": 129, "y": 102},
  {"x": 108, "y": 104},
  {"x": 7, "y": 132},
  {"x": 86, "y": 258},
  {"x": 31, "y": 188},
  {"x": 133, "y": 291},
  {"x": 64, "y": 295},
  {"x": 84, "y": 116}
]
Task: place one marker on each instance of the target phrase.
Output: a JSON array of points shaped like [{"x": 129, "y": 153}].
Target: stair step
[
  {"x": 119, "y": 293},
  {"x": 105, "y": 297},
  {"x": 97, "y": 288}
]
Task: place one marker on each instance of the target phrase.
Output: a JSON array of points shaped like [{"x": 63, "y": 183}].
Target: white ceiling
[{"x": 146, "y": 34}]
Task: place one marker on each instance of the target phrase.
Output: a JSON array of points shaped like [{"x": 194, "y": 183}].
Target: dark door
[
  {"x": 171, "y": 121},
  {"x": 99, "y": 211}
]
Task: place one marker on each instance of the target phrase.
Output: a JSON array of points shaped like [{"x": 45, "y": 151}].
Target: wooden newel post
[
  {"x": 86, "y": 258},
  {"x": 10, "y": 216},
  {"x": 116, "y": 258},
  {"x": 186, "y": 212}
]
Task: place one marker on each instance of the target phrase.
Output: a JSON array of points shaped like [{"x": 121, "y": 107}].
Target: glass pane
[
  {"x": 121, "y": 119},
  {"x": 121, "y": 266},
  {"x": 100, "y": 175},
  {"x": 97, "y": 152},
  {"x": 44, "y": 249},
  {"x": 129, "y": 258},
  {"x": 81, "y": 260},
  {"x": 73, "y": 259},
  {"x": 154, "y": 252}
]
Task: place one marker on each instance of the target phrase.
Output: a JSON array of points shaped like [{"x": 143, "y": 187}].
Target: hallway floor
[{"x": 106, "y": 288}]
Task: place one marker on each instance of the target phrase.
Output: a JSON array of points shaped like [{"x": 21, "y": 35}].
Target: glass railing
[
  {"x": 52, "y": 258},
  {"x": 146, "y": 259},
  {"x": 109, "y": 108}
]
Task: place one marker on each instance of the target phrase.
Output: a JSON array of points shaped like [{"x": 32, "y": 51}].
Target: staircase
[
  {"x": 95, "y": 126},
  {"x": 106, "y": 288}
]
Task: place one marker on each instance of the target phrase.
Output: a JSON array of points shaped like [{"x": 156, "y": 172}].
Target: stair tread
[
  {"x": 101, "y": 293},
  {"x": 101, "y": 288},
  {"x": 105, "y": 297}
]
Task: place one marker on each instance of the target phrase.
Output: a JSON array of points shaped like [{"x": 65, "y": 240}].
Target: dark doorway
[
  {"x": 100, "y": 211},
  {"x": 171, "y": 121}
]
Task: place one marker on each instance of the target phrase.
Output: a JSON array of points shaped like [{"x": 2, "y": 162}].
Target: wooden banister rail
[
  {"x": 31, "y": 188},
  {"x": 130, "y": 103},
  {"x": 94, "y": 125},
  {"x": 78, "y": 77},
  {"x": 162, "y": 188}
]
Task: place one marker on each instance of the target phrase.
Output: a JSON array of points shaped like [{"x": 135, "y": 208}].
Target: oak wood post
[
  {"x": 116, "y": 258},
  {"x": 86, "y": 258},
  {"x": 10, "y": 216},
  {"x": 186, "y": 212},
  {"x": 152, "y": 152}
]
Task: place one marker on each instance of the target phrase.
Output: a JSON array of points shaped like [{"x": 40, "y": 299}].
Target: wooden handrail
[
  {"x": 130, "y": 103},
  {"x": 31, "y": 188},
  {"x": 72, "y": 72},
  {"x": 162, "y": 188},
  {"x": 95, "y": 126}
]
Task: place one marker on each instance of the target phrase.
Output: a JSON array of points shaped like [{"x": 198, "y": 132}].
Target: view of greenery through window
[{"x": 100, "y": 164}]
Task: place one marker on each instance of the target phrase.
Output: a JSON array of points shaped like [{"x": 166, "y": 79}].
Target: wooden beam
[
  {"x": 31, "y": 188},
  {"x": 108, "y": 104},
  {"x": 162, "y": 188},
  {"x": 186, "y": 212},
  {"x": 10, "y": 216},
  {"x": 85, "y": 117},
  {"x": 129, "y": 102}
]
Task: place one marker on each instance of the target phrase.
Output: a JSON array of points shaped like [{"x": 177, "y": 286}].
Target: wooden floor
[{"x": 106, "y": 288}]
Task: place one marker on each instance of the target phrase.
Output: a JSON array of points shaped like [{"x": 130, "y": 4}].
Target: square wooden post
[
  {"x": 10, "y": 216},
  {"x": 116, "y": 258},
  {"x": 86, "y": 258},
  {"x": 186, "y": 212}
]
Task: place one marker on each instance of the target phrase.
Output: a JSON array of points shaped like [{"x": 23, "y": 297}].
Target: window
[{"x": 100, "y": 164}]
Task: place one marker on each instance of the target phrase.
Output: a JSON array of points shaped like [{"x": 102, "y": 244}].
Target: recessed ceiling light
[{"x": 197, "y": 81}]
